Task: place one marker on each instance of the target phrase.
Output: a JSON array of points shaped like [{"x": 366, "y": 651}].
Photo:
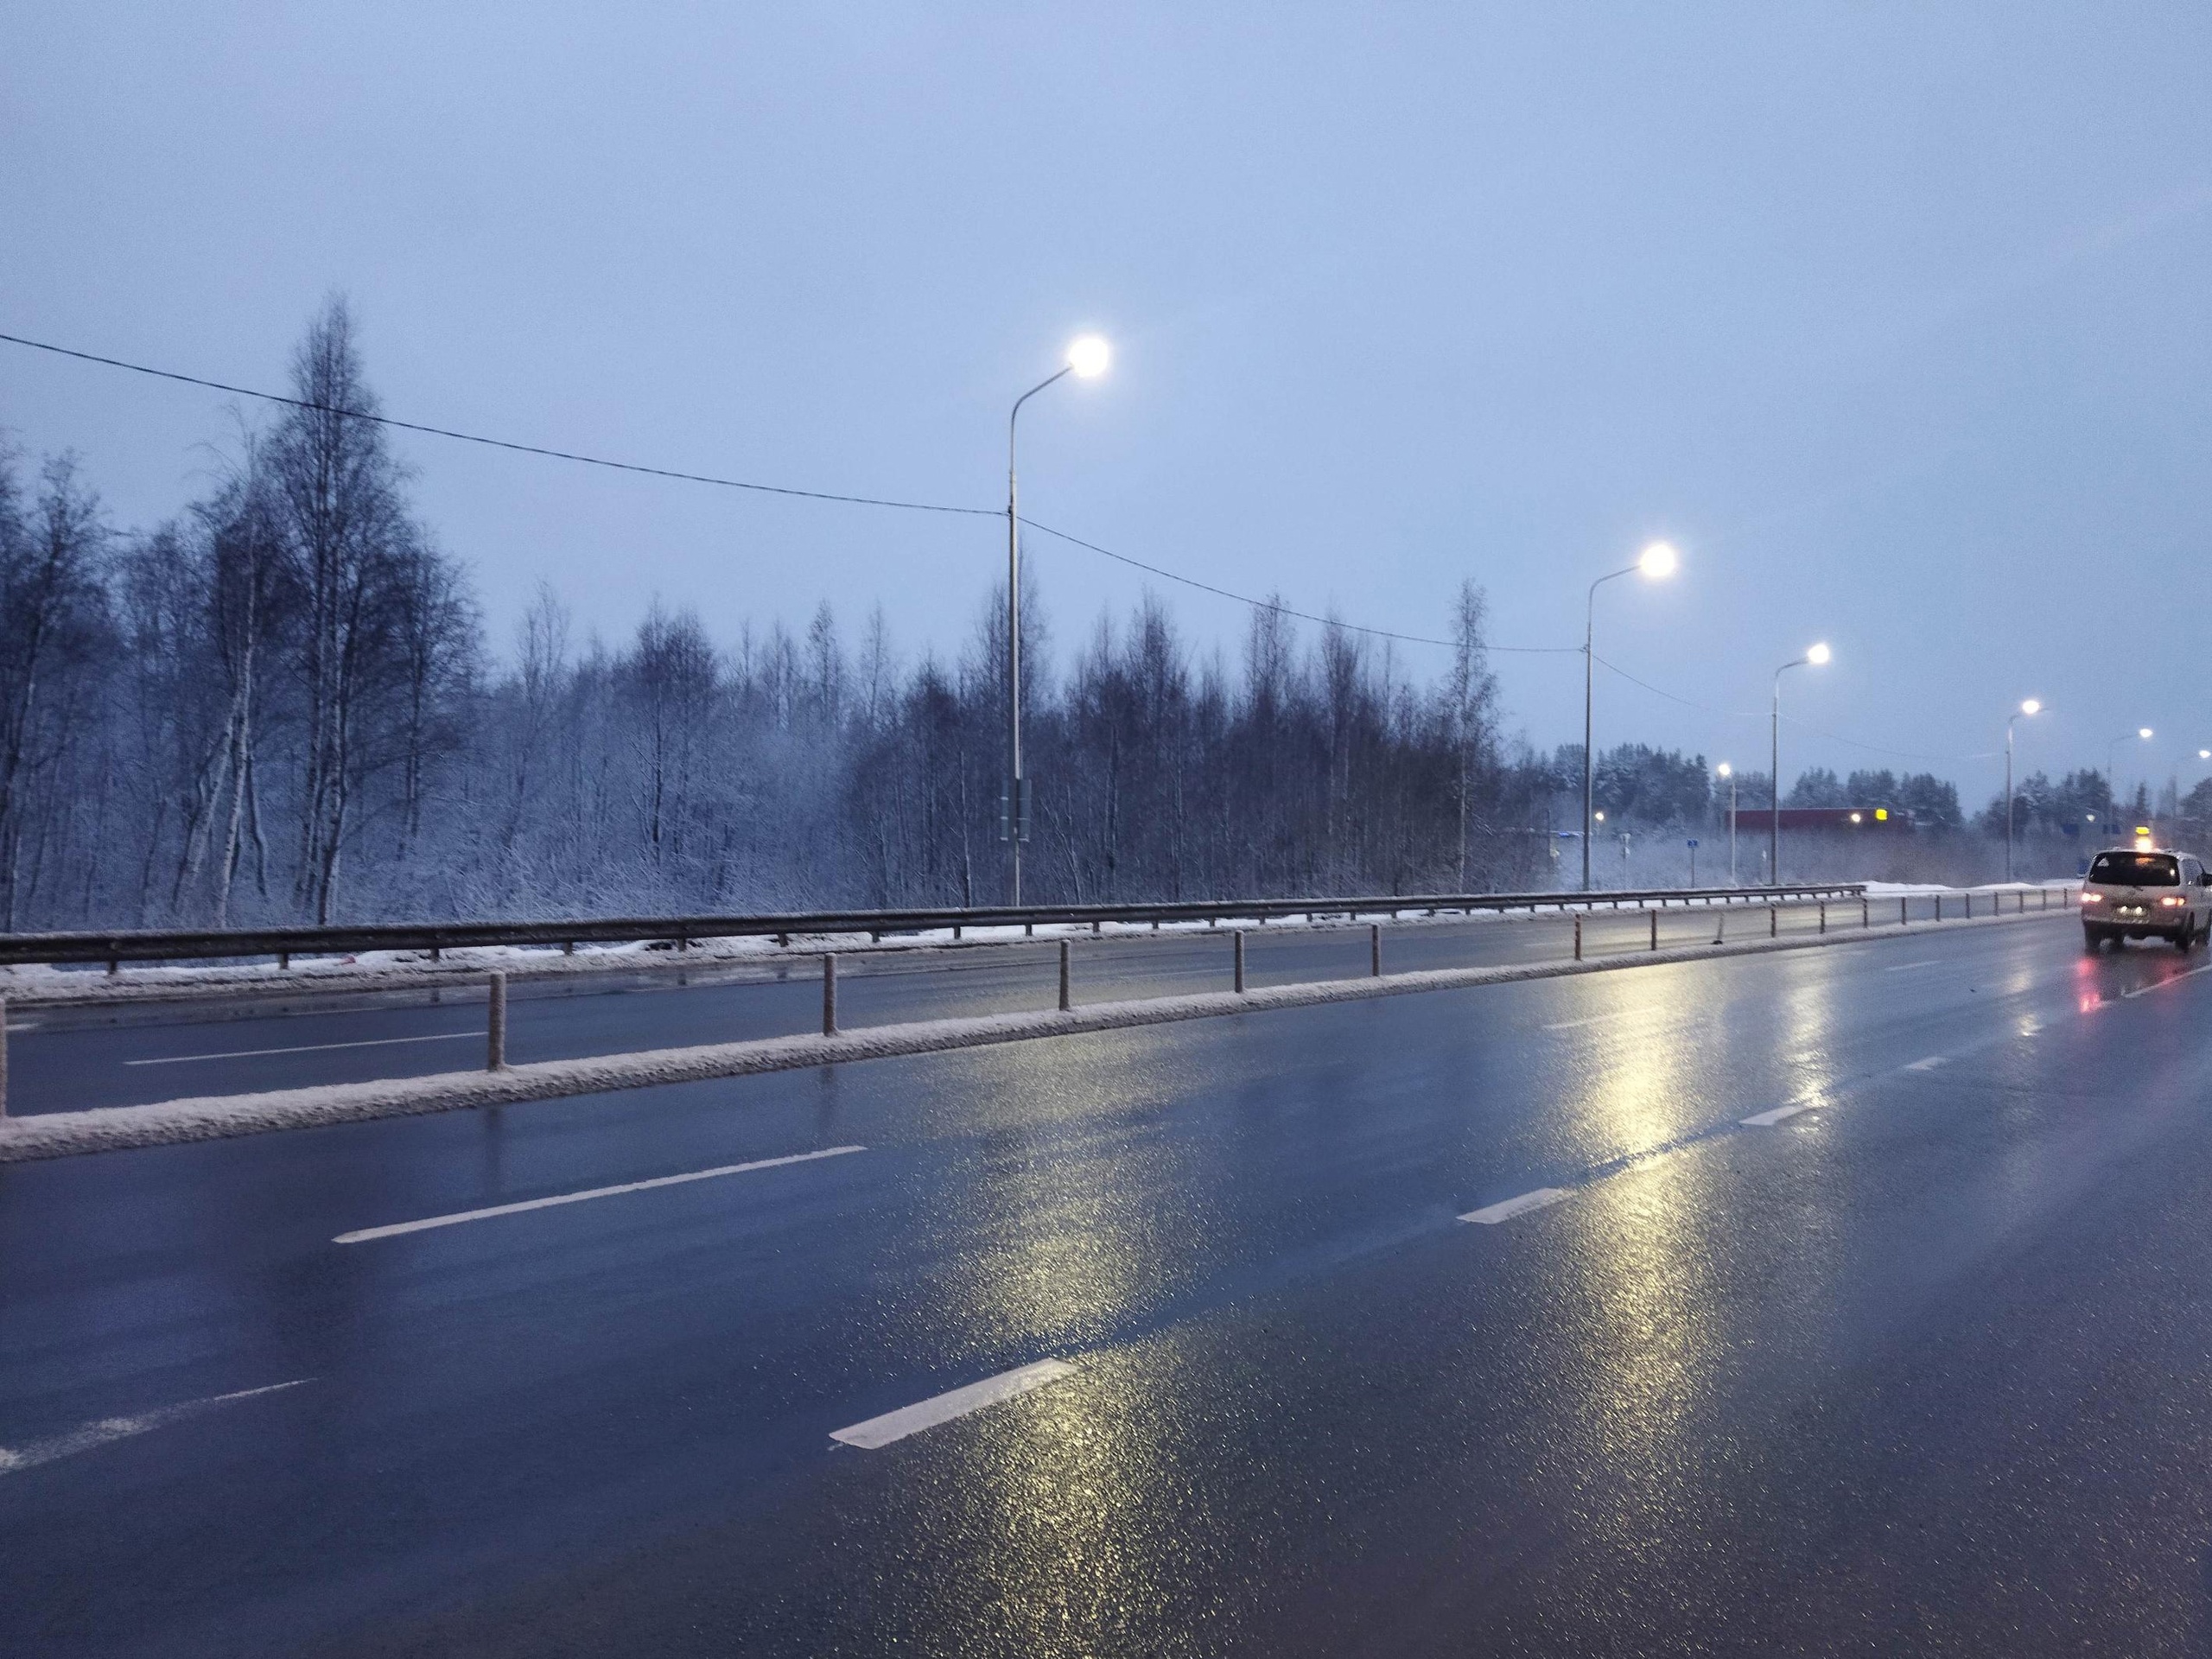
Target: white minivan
[{"x": 2142, "y": 893}]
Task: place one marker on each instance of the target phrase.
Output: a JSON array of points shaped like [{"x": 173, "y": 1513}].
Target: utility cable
[
  {"x": 1284, "y": 610},
  {"x": 501, "y": 443},
  {"x": 741, "y": 484},
  {"x": 1792, "y": 719},
  {"x": 881, "y": 501}
]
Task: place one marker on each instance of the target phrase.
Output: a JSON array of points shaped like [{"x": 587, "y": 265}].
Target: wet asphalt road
[
  {"x": 1927, "y": 1366},
  {"x": 64, "y": 1059}
]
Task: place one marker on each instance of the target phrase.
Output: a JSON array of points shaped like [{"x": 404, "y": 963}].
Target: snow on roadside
[
  {"x": 60, "y": 1135},
  {"x": 56, "y": 984}
]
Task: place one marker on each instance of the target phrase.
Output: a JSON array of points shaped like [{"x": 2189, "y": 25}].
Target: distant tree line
[{"x": 281, "y": 705}]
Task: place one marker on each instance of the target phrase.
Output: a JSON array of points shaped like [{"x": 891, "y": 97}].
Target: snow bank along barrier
[
  {"x": 684, "y": 932},
  {"x": 57, "y": 1135}
]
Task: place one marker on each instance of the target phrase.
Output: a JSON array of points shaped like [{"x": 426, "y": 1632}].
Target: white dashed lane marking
[
  {"x": 1490, "y": 1215},
  {"x": 1767, "y": 1120},
  {"x": 110, "y": 1429},
  {"x": 398, "y": 1227},
  {"x": 879, "y": 1431},
  {"x": 1928, "y": 1063}
]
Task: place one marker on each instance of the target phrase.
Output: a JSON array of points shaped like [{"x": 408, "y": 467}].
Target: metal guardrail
[{"x": 284, "y": 942}]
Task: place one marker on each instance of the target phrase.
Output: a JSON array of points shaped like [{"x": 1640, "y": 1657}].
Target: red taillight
[{"x": 2173, "y": 901}]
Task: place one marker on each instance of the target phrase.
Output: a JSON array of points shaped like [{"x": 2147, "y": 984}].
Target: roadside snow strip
[{"x": 114, "y": 1128}]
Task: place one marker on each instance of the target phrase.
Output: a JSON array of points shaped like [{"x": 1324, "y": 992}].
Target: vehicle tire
[
  {"x": 2185, "y": 941},
  {"x": 2091, "y": 940}
]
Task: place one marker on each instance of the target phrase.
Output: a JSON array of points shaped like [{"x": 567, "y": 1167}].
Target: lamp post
[
  {"x": 1657, "y": 561},
  {"x": 2029, "y": 706},
  {"x": 2140, "y": 734},
  {"x": 1087, "y": 358},
  {"x": 1816, "y": 658},
  {"x": 1729, "y": 772}
]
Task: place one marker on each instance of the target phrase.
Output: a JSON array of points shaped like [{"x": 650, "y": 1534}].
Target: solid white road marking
[
  {"x": 2160, "y": 984},
  {"x": 424, "y": 1225},
  {"x": 1900, "y": 966},
  {"x": 119, "y": 1429},
  {"x": 1490, "y": 1215},
  {"x": 306, "y": 1048},
  {"x": 878, "y": 1431},
  {"x": 1929, "y": 1064},
  {"x": 1767, "y": 1120},
  {"x": 1576, "y": 1025}
]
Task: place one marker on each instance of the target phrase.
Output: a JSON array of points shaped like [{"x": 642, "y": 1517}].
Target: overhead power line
[
  {"x": 1284, "y": 610},
  {"x": 502, "y": 443},
  {"x": 643, "y": 470},
  {"x": 1791, "y": 720},
  {"x": 742, "y": 484}
]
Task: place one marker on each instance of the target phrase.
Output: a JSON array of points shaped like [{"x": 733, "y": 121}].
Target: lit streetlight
[
  {"x": 1657, "y": 563},
  {"x": 1818, "y": 657},
  {"x": 2140, "y": 734},
  {"x": 1087, "y": 360},
  {"x": 2029, "y": 706}
]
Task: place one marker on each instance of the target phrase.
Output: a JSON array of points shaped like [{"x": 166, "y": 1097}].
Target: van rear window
[{"x": 2136, "y": 869}]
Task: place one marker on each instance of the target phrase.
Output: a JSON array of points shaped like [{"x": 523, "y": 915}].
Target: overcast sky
[{"x": 1894, "y": 318}]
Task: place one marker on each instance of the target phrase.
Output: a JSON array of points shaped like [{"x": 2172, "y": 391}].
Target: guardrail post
[
  {"x": 1824, "y": 915},
  {"x": 495, "y": 1024},
  {"x": 1577, "y": 935},
  {"x": 284, "y": 960},
  {"x": 1238, "y": 938},
  {"x": 829, "y": 995},
  {"x": 1939, "y": 906},
  {"x": 4, "y": 1057},
  {"x": 114, "y": 967},
  {"x": 1969, "y": 904},
  {"x": 1774, "y": 921},
  {"x": 1375, "y": 950},
  {"x": 1655, "y": 930},
  {"x": 1065, "y": 1003},
  {"x": 1904, "y": 916},
  {"x": 1865, "y": 912}
]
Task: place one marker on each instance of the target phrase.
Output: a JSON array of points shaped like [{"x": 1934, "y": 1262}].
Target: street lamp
[
  {"x": 1087, "y": 360},
  {"x": 1729, "y": 772},
  {"x": 2140, "y": 734},
  {"x": 2029, "y": 706},
  {"x": 1657, "y": 563},
  {"x": 1816, "y": 657}
]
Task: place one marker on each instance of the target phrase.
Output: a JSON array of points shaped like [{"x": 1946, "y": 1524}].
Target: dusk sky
[{"x": 1893, "y": 318}]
